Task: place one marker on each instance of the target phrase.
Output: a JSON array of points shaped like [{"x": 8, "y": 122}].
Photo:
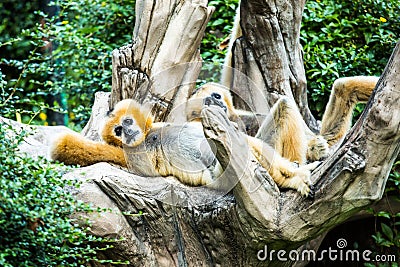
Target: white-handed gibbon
[{"x": 162, "y": 149}]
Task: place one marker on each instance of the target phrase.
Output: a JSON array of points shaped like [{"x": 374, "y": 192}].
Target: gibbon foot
[
  {"x": 317, "y": 149},
  {"x": 299, "y": 179}
]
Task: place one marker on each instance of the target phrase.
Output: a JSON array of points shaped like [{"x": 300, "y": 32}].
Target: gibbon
[
  {"x": 163, "y": 149},
  {"x": 74, "y": 149},
  {"x": 284, "y": 128},
  {"x": 167, "y": 149}
]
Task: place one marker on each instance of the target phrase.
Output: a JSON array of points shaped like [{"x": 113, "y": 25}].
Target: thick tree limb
[
  {"x": 270, "y": 49},
  {"x": 163, "y": 62}
]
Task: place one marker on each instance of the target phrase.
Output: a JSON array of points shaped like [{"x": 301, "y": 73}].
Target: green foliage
[
  {"x": 346, "y": 38},
  {"x": 388, "y": 234},
  {"x": 68, "y": 53},
  {"x": 218, "y": 29},
  {"x": 34, "y": 208},
  {"x": 342, "y": 38}
]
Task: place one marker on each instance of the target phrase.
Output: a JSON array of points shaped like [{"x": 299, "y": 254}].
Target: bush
[
  {"x": 34, "y": 209},
  {"x": 77, "y": 63},
  {"x": 346, "y": 38}
]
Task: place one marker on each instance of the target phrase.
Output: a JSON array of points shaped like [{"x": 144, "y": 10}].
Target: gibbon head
[
  {"x": 215, "y": 91},
  {"x": 128, "y": 123}
]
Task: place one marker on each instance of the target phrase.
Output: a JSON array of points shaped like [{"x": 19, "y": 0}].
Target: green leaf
[
  {"x": 383, "y": 214},
  {"x": 387, "y": 231}
]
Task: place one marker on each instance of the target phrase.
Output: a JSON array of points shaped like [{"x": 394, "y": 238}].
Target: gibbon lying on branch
[
  {"x": 163, "y": 149},
  {"x": 166, "y": 149}
]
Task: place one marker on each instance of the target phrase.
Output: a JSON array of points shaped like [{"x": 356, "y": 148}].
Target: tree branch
[
  {"x": 351, "y": 179},
  {"x": 163, "y": 62},
  {"x": 270, "y": 51}
]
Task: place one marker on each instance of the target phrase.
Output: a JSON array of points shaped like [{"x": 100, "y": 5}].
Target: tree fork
[{"x": 163, "y": 222}]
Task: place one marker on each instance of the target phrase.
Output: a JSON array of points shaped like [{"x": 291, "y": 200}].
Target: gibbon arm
[
  {"x": 74, "y": 149},
  {"x": 346, "y": 93}
]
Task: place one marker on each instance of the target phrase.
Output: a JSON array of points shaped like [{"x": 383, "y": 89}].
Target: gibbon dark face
[{"x": 118, "y": 131}]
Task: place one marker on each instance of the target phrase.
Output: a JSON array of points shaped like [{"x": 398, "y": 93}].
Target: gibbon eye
[
  {"x": 118, "y": 130},
  {"x": 127, "y": 121},
  {"x": 216, "y": 96}
]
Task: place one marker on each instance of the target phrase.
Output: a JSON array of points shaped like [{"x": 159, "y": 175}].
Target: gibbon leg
[
  {"x": 285, "y": 173},
  {"x": 285, "y": 130},
  {"x": 346, "y": 93}
]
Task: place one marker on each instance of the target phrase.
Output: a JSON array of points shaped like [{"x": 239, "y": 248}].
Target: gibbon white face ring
[{"x": 131, "y": 133}]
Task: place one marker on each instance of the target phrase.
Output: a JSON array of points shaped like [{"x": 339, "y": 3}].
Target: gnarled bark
[
  {"x": 166, "y": 223},
  {"x": 270, "y": 51},
  {"x": 163, "y": 62}
]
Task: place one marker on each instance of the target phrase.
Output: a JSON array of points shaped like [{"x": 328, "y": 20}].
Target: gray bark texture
[
  {"x": 163, "y": 62},
  {"x": 162, "y": 222},
  {"x": 270, "y": 55}
]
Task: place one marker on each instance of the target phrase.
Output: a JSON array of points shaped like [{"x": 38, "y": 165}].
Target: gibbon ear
[
  {"x": 147, "y": 111},
  {"x": 149, "y": 122},
  {"x": 109, "y": 112}
]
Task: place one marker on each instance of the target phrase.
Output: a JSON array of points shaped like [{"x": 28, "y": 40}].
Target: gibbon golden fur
[
  {"x": 74, "y": 149},
  {"x": 121, "y": 127},
  {"x": 219, "y": 93}
]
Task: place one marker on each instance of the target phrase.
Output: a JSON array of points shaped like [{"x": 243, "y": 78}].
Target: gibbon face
[
  {"x": 129, "y": 131},
  {"x": 127, "y": 124},
  {"x": 219, "y": 94}
]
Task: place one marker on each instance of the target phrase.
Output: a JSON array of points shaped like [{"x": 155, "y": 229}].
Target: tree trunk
[
  {"x": 163, "y": 62},
  {"x": 165, "y": 223},
  {"x": 196, "y": 226},
  {"x": 270, "y": 55}
]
